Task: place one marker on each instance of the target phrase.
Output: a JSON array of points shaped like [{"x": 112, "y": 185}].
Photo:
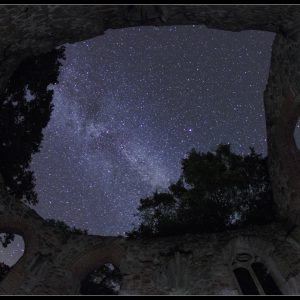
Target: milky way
[{"x": 131, "y": 103}]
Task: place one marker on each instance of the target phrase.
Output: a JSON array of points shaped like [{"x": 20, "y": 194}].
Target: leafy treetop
[
  {"x": 215, "y": 192},
  {"x": 25, "y": 109}
]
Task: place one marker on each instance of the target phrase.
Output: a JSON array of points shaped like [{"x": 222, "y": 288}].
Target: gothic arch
[
  {"x": 244, "y": 251},
  {"x": 93, "y": 257},
  {"x": 21, "y": 226},
  {"x": 16, "y": 275}
]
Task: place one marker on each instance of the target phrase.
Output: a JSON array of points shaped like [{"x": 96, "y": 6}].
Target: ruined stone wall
[
  {"x": 191, "y": 264},
  {"x": 282, "y": 109},
  {"x": 54, "y": 263},
  {"x": 28, "y": 30},
  {"x": 201, "y": 264}
]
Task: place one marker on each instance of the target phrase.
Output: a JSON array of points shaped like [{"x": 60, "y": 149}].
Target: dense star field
[{"x": 131, "y": 103}]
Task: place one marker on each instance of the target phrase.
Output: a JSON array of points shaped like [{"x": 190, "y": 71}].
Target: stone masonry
[{"x": 54, "y": 263}]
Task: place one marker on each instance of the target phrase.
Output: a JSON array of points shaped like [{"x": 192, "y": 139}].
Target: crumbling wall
[
  {"x": 282, "y": 109},
  {"x": 201, "y": 264},
  {"x": 29, "y": 30},
  {"x": 54, "y": 263}
]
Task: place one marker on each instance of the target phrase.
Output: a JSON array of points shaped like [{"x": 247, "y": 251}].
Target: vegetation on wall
[{"x": 65, "y": 228}]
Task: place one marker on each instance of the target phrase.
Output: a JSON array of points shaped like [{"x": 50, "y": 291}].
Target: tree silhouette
[
  {"x": 215, "y": 192},
  {"x": 25, "y": 109}
]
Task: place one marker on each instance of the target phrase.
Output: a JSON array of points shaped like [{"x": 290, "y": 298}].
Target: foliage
[
  {"x": 25, "y": 109},
  {"x": 215, "y": 192},
  {"x": 62, "y": 226},
  {"x": 6, "y": 239},
  {"x": 103, "y": 281}
]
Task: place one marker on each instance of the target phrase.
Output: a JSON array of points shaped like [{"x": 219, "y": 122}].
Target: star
[{"x": 128, "y": 107}]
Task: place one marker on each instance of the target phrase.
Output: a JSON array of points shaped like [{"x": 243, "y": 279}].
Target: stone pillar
[{"x": 282, "y": 108}]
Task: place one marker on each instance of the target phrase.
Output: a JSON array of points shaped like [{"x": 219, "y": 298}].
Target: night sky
[{"x": 128, "y": 107}]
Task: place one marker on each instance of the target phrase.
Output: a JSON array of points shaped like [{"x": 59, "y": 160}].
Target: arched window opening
[
  {"x": 265, "y": 279},
  {"x": 105, "y": 280},
  {"x": 11, "y": 250},
  {"x": 246, "y": 283},
  {"x": 252, "y": 276}
]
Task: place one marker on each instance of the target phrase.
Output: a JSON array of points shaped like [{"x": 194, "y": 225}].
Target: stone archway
[
  {"x": 95, "y": 252},
  {"x": 94, "y": 258},
  {"x": 16, "y": 218},
  {"x": 16, "y": 275}
]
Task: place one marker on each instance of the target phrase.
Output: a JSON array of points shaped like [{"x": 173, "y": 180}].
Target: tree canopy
[
  {"x": 216, "y": 191},
  {"x": 25, "y": 109}
]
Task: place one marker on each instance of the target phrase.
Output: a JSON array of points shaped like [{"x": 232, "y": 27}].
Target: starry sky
[{"x": 128, "y": 107}]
